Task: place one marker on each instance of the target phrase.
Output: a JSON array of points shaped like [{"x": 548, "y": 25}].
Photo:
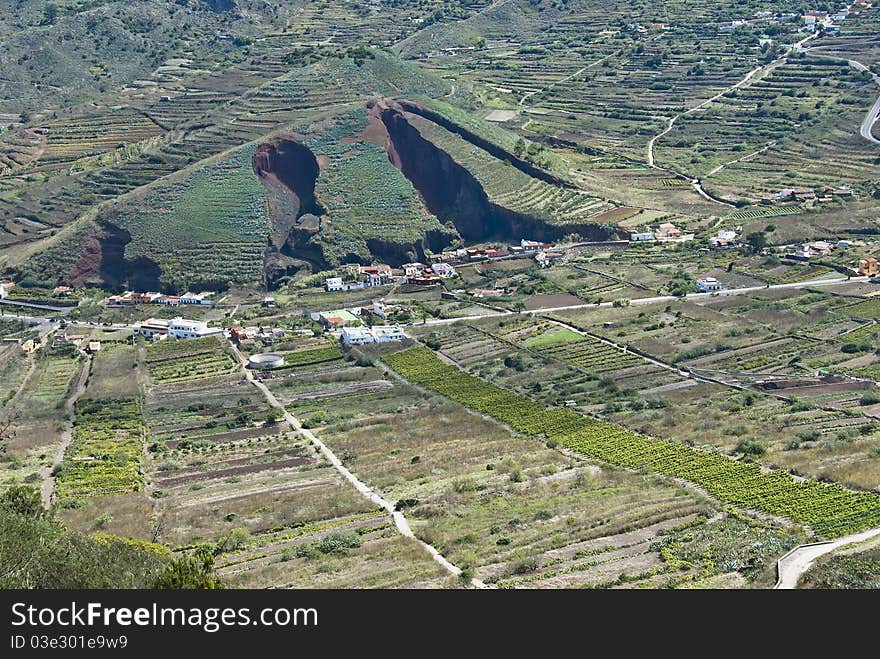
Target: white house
[
  {"x": 182, "y": 328},
  {"x": 4, "y": 289},
  {"x": 641, "y": 237},
  {"x": 196, "y": 298},
  {"x": 413, "y": 269},
  {"x": 334, "y": 284},
  {"x": 358, "y": 336},
  {"x": 443, "y": 270},
  {"x": 709, "y": 285}
]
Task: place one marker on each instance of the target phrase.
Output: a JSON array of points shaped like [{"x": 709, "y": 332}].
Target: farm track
[
  {"x": 672, "y": 120},
  {"x": 48, "y": 480},
  {"x": 400, "y": 520}
]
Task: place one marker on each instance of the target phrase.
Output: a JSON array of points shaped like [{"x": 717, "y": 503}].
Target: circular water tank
[{"x": 265, "y": 361}]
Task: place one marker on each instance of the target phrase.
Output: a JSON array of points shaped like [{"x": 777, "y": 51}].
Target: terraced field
[
  {"x": 829, "y": 509},
  {"x": 188, "y": 359}
]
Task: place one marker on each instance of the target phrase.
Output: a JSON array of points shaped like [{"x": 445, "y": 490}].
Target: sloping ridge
[{"x": 452, "y": 193}]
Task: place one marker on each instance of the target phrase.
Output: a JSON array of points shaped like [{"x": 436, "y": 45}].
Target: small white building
[
  {"x": 182, "y": 328},
  {"x": 443, "y": 270},
  {"x": 358, "y": 336},
  {"x": 641, "y": 237},
  {"x": 196, "y": 298},
  {"x": 335, "y": 284},
  {"x": 709, "y": 285},
  {"x": 413, "y": 269}
]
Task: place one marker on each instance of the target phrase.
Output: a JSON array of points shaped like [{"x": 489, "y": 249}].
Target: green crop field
[
  {"x": 104, "y": 456},
  {"x": 829, "y": 509}
]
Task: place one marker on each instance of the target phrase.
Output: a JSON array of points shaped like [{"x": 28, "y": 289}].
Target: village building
[
  {"x": 413, "y": 269},
  {"x": 196, "y": 298},
  {"x": 183, "y": 328},
  {"x": 356, "y": 336},
  {"x": 152, "y": 327},
  {"x": 336, "y": 284},
  {"x": 869, "y": 267},
  {"x": 723, "y": 239},
  {"x": 4, "y": 289},
  {"x": 443, "y": 270},
  {"x": 642, "y": 237},
  {"x": 336, "y": 319},
  {"x": 709, "y": 285},
  {"x": 668, "y": 230}
]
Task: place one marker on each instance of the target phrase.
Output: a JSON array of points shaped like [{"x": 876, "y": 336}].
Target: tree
[
  {"x": 23, "y": 500},
  {"x": 189, "y": 573},
  {"x": 756, "y": 241},
  {"x": 273, "y": 417}
]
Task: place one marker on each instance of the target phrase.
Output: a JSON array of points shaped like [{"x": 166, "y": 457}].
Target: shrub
[
  {"x": 339, "y": 542},
  {"x": 750, "y": 446}
]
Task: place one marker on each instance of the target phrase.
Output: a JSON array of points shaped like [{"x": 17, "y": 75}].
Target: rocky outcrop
[
  {"x": 289, "y": 170},
  {"x": 103, "y": 263},
  {"x": 453, "y": 194}
]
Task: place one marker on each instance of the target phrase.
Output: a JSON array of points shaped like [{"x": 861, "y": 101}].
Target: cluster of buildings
[
  {"x": 356, "y": 276},
  {"x": 354, "y": 317},
  {"x": 817, "y": 248},
  {"x": 419, "y": 274},
  {"x": 724, "y": 239},
  {"x": 180, "y": 328},
  {"x": 132, "y": 298},
  {"x": 80, "y": 341},
  {"x": 249, "y": 335},
  {"x": 667, "y": 232}
]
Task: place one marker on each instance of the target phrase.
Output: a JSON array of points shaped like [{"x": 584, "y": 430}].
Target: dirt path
[
  {"x": 32, "y": 365},
  {"x": 48, "y": 484},
  {"x": 748, "y": 78},
  {"x": 743, "y": 158},
  {"x": 399, "y": 520},
  {"x": 795, "y": 563}
]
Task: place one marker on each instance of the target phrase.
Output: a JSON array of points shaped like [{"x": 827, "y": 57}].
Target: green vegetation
[
  {"x": 38, "y": 551},
  {"x": 104, "y": 456},
  {"x": 829, "y": 509}
]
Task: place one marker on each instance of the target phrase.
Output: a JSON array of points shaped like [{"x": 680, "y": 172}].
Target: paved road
[
  {"x": 399, "y": 520},
  {"x": 794, "y": 564},
  {"x": 874, "y": 113},
  {"x": 656, "y": 299}
]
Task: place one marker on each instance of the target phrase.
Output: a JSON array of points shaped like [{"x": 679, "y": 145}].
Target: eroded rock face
[
  {"x": 289, "y": 170},
  {"x": 452, "y": 193},
  {"x": 103, "y": 263}
]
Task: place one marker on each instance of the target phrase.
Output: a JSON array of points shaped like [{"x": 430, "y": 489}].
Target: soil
[{"x": 231, "y": 471}]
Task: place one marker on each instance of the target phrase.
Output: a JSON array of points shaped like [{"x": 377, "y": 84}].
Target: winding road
[
  {"x": 866, "y": 129},
  {"x": 671, "y": 122},
  {"x": 795, "y": 563}
]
